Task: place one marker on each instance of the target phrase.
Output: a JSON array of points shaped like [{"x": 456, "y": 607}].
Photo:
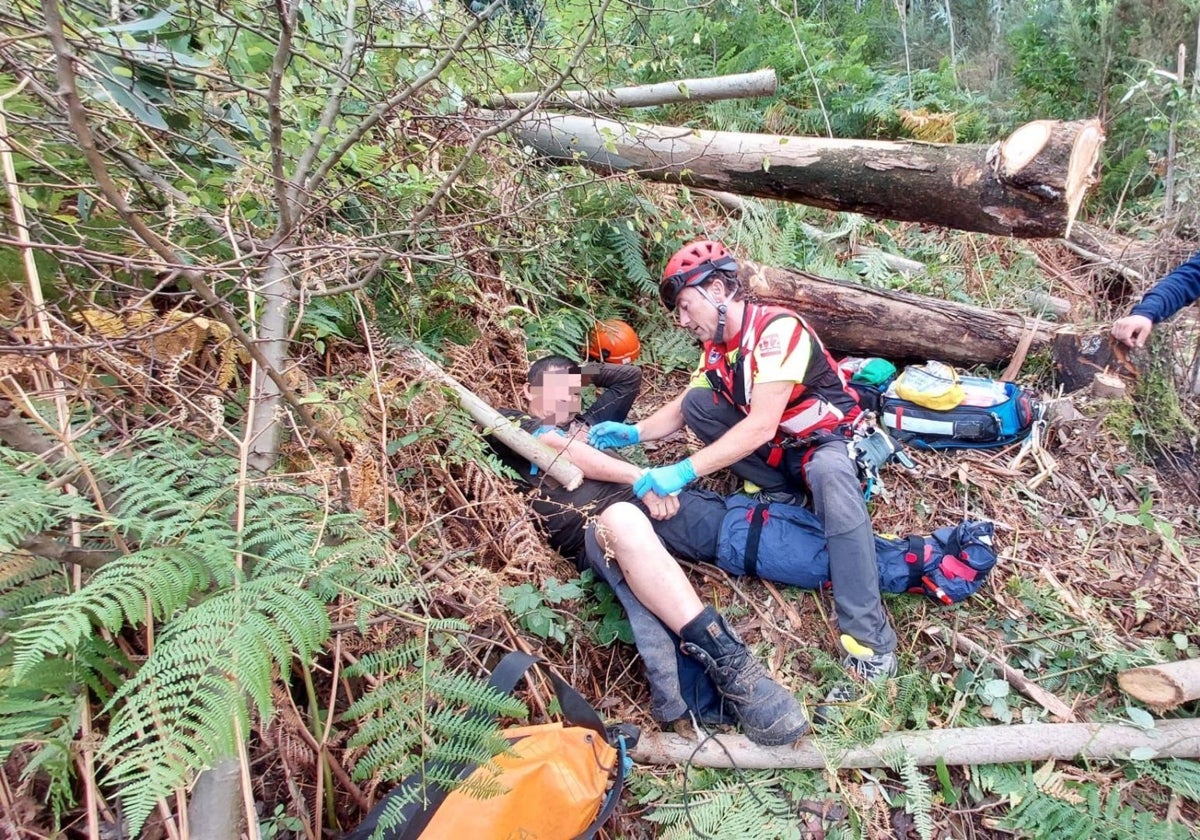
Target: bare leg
[{"x": 654, "y": 576}]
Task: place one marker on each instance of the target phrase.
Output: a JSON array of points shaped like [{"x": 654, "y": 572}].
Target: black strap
[
  {"x": 415, "y": 816},
  {"x": 758, "y": 517},
  {"x": 916, "y": 568},
  {"x": 613, "y": 797},
  {"x": 576, "y": 710}
]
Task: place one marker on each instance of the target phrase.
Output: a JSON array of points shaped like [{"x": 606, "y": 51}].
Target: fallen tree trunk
[
  {"x": 974, "y": 745},
  {"x": 736, "y": 86},
  {"x": 894, "y": 262},
  {"x": 1028, "y": 185},
  {"x": 554, "y": 464},
  {"x": 1163, "y": 687},
  {"x": 895, "y": 325}
]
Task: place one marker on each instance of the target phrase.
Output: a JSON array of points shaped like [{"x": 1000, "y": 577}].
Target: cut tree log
[
  {"x": 1080, "y": 353},
  {"x": 973, "y": 745},
  {"x": 895, "y": 325},
  {"x": 1163, "y": 687},
  {"x": 1043, "y": 304},
  {"x": 554, "y": 464},
  {"x": 1028, "y": 185},
  {"x": 735, "y": 86}
]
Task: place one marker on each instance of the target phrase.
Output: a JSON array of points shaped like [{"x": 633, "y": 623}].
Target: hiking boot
[
  {"x": 767, "y": 712},
  {"x": 876, "y": 667}
]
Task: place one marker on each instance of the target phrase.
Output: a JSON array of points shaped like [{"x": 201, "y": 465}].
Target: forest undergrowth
[
  {"x": 1097, "y": 574},
  {"x": 255, "y": 558}
]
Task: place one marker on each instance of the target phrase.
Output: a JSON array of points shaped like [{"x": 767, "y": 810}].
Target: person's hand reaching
[
  {"x": 1133, "y": 330},
  {"x": 613, "y": 435},
  {"x": 666, "y": 481}
]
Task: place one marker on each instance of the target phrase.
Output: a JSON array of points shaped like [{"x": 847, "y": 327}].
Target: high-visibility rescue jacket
[{"x": 821, "y": 402}]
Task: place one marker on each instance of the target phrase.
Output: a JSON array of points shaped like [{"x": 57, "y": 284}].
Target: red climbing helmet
[
  {"x": 613, "y": 341},
  {"x": 691, "y": 266}
]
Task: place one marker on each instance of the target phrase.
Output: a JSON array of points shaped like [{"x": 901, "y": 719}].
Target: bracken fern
[{"x": 233, "y": 609}]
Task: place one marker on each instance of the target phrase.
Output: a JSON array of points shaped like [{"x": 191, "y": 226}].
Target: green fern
[
  {"x": 420, "y": 721},
  {"x": 233, "y": 610},
  {"x": 1073, "y": 810},
  {"x": 670, "y": 349},
  {"x": 1180, "y": 776},
  {"x": 728, "y": 809},
  {"x": 918, "y": 799},
  {"x": 625, "y": 240},
  {"x": 561, "y": 331}
]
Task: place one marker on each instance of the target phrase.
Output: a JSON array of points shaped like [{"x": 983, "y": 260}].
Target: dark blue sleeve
[{"x": 1173, "y": 292}]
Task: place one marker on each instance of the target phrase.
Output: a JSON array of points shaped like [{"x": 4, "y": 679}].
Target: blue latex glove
[
  {"x": 612, "y": 435},
  {"x": 666, "y": 480}
]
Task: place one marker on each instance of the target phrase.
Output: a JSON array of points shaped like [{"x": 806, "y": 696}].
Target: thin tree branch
[
  {"x": 88, "y": 558},
  {"x": 384, "y": 108},
  {"x": 370, "y": 274},
  {"x": 68, "y": 90},
  {"x": 283, "y": 55},
  {"x": 513, "y": 118},
  {"x": 329, "y": 114}
]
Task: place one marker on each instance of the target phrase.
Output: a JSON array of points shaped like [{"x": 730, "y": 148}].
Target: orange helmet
[
  {"x": 691, "y": 266},
  {"x": 613, "y": 341}
]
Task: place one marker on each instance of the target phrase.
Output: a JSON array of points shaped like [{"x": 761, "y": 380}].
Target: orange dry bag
[{"x": 556, "y": 779}]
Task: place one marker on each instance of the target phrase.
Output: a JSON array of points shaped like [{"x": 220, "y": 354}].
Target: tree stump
[{"x": 1080, "y": 353}]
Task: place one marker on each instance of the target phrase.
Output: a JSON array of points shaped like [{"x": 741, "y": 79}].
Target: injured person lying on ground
[{"x": 695, "y": 663}]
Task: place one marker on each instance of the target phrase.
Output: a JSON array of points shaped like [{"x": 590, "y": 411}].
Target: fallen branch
[
  {"x": 973, "y": 745},
  {"x": 554, "y": 464},
  {"x": 1044, "y": 304},
  {"x": 1163, "y": 687},
  {"x": 735, "y": 86},
  {"x": 894, "y": 262},
  {"x": 1014, "y": 677}
]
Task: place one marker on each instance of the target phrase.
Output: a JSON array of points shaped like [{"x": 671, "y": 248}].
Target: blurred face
[
  {"x": 696, "y": 313},
  {"x": 556, "y": 400}
]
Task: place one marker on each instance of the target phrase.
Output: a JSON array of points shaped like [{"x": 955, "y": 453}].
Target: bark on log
[
  {"x": 974, "y": 745},
  {"x": 735, "y": 86},
  {"x": 1029, "y": 185},
  {"x": 1080, "y": 353},
  {"x": 1163, "y": 687},
  {"x": 895, "y": 325},
  {"x": 554, "y": 464}
]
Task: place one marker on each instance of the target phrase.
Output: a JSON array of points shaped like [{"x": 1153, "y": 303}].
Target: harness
[{"x": 820, "y": 408}]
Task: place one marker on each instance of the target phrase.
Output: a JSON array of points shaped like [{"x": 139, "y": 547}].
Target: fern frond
[
  {"x": 119, "y": 592},
  {"x": 625, "y": 240},
  {"x": 670, "y": 350},
  {"x": 26, "y": 580},
  {"x": 1182, "y": 777},
  {"x": 918, "y": 800}
]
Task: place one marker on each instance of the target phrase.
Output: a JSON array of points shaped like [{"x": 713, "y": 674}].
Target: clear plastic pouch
[{"x": 932, "y": 385}]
